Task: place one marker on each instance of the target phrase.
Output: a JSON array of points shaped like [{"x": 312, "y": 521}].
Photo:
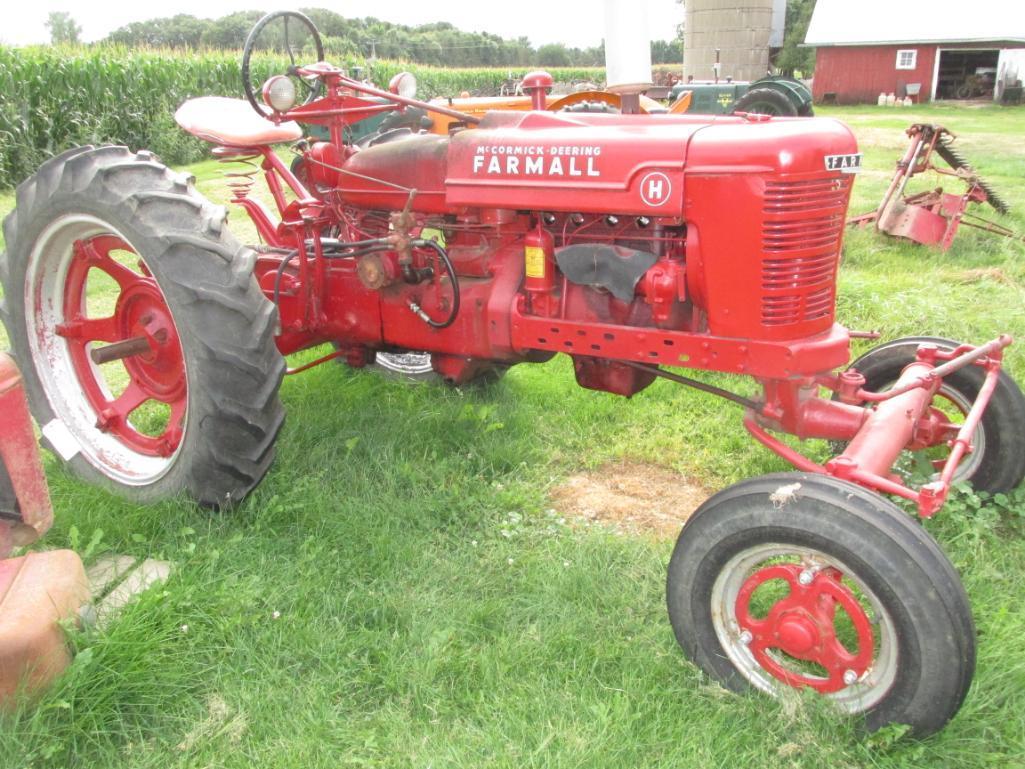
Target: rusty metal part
[
  {"x": 374, "y": 272},
  {"x": 137, "y": 345}
]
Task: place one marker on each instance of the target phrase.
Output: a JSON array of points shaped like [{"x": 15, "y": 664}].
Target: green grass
[{"x": 412, "y": 632}]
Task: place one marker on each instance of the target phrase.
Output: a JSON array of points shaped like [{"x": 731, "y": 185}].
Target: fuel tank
[{"x": 381, "y": 175}]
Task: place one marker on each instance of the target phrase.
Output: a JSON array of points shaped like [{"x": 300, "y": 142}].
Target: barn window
[{"x": 907, "y": 58}]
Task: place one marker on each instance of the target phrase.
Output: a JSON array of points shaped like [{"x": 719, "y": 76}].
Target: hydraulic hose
[{"x": 450, "y": 270}]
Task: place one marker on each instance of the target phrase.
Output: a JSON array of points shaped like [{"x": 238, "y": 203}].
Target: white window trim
[{"x": 914, "y": 58}]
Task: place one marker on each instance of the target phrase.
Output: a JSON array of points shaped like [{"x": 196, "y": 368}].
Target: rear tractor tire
[
  {"x": 794, "y": 581},
  {"x": 765, "y": 101},
  {"x": 145, "y": 344}
]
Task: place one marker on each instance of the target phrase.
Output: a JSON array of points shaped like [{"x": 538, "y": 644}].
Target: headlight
[
  {"x": 403, "y": 84},
  {"x": 279, "y": 93}
]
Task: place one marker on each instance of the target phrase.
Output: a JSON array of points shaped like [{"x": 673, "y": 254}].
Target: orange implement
[{"x": 37, "y": 591}]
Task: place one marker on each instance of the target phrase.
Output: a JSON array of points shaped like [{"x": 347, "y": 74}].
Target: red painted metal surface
[
  {"x": 803, "y": 625},
  {"x": 38, "y": 592},
  {"x": 20, "y": 455},
  {"x": 695, "y": 242},
  {"x": 156, "y": 372}
]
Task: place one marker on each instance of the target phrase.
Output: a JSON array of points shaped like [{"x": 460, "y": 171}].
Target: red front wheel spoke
[{"x": 802, "y": 625}]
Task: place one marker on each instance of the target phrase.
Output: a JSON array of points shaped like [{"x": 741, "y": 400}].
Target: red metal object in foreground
[
  {"x": 32, "y": 515},
  {"x": 803, "y": 626},
  {"x": 37, "y": 590}
]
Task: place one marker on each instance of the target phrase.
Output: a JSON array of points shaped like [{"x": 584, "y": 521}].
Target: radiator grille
[{"x": 802, "y": 228}]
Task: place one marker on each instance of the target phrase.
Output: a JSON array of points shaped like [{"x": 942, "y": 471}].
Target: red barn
[{"x": 943, "y": 49}]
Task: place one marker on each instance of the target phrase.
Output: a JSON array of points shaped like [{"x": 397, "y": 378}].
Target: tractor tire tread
[{"x": 226, "y": 323}]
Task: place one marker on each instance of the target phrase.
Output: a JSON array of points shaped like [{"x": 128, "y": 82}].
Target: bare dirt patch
[{"x": 631, "y": 497}]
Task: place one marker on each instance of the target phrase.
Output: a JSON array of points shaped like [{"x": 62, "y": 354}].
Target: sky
[{"x": 577, "y": 23}]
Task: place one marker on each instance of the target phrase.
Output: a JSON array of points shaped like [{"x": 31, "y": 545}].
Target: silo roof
[{"x": 886, "y": 22}]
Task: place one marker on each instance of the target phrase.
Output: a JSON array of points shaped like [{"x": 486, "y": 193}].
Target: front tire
[
  {"x": 110, "y": 248},
  {"x": 796, "y": 580}
]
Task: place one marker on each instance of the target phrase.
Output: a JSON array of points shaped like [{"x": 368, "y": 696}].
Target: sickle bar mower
[{"x": 932, "y": 217}]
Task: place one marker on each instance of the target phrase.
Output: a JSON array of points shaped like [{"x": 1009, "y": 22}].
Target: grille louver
[{"x": 801, "y": 235}]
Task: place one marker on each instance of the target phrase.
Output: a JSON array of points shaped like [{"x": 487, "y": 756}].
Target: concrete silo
[{"x": 742, "y": 30}]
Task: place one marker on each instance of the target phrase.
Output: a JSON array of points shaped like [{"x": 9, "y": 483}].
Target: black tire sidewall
[{"x": 886, "y": 551}]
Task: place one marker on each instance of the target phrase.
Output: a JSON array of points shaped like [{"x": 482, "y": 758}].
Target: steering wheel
[{"x": 281, "y": 40}]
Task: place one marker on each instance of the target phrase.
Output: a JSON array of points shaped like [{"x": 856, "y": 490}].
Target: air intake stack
[{"x": 627, "y": 50}]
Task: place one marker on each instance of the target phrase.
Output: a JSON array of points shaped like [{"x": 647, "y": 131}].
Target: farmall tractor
[{"x": 638, "y": 245}]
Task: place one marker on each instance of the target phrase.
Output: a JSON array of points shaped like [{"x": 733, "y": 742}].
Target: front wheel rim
[
  {"x": 127, "y": 416},
  {"x": 801, "y": 632}
]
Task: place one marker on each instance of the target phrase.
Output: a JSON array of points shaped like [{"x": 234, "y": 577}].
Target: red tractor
[{"x": 635, "y": 244}]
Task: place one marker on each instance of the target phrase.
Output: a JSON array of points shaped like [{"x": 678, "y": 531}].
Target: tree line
[{"x": 439, "y": 43}]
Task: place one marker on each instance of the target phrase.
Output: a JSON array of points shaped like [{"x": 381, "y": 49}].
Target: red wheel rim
[
  {"x": 155, "y": 366},
  {"x": 803, "y": 626}
]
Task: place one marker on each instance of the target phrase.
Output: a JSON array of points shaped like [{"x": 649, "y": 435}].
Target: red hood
[{"x": 624, "y": 164}]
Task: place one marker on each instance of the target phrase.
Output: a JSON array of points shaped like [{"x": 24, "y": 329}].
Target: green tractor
[{"x": 771, "y": 95}]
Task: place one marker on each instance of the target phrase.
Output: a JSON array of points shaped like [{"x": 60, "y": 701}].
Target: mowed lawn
[{"x": 402, "y": 590}]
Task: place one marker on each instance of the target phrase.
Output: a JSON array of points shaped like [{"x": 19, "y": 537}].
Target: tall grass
[{"x": 55, "y": 98}]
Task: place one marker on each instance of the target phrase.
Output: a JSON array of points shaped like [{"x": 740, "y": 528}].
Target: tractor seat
[{"x": 232, "y": 122}]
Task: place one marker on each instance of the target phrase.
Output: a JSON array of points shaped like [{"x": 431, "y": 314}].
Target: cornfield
[{"x": 52, "y": 99}]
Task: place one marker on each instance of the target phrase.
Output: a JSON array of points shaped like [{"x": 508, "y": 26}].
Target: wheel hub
[
  {"x": 140, "y": 333},
  {"x": 160, "y": 370},
  {"x": 801, "y": 627},
  {"x": 797, "y": 635}
]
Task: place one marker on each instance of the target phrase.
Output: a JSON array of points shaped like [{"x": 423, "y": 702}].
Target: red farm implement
[
  {"x": 932, "y": 217},
  {"x": 635, "y": 244}
]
